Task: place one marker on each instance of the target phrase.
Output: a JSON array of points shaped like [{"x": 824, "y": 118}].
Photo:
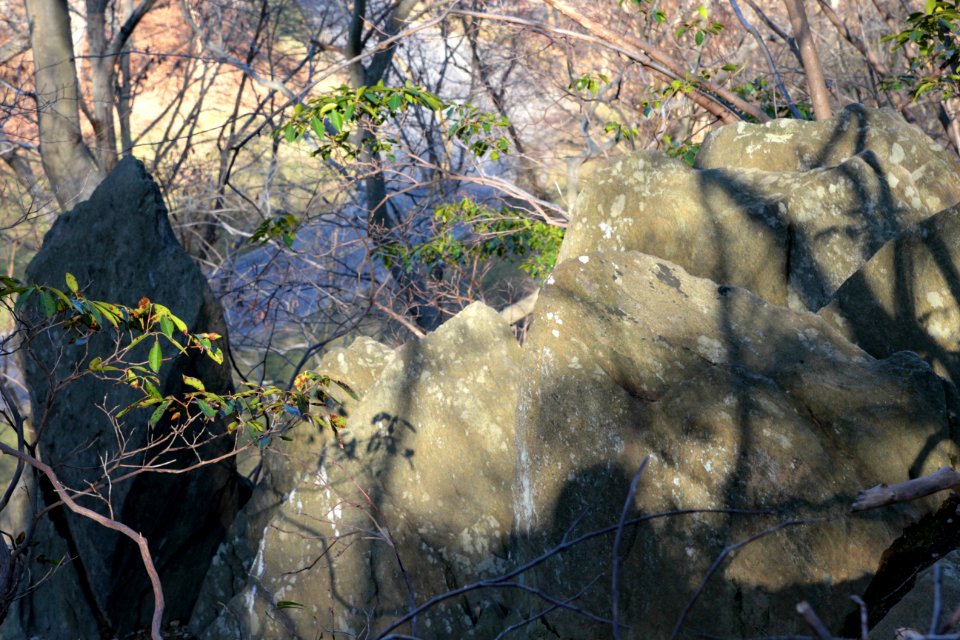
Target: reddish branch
[
  {"x": 102, "y": 520},
  {"x": 724, "y": 104}
]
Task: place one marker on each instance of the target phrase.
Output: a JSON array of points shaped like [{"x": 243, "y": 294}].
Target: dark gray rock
[{"x": 120, "y": 246}]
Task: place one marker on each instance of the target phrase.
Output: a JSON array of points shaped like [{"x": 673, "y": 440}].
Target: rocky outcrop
[
  {"x": 417, "y": 501},
  {"x": 788, "y": 145},
  {"x": 788, "y": 210},
  {"x": 676, "y": 335},
  {"x": 283, "y": 467},
  {"x": 907, "y": 296},
  {"x": 737, "y": 404},
  {"x": 103, "y": 589},
  {"x": 759, "y": 421}
]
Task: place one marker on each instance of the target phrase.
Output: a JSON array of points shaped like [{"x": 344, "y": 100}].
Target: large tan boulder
[
  {"x": 907, "y": 296},
  {"x": 801, "y": 145},
  {"x": 283, "y": 466},
  {"x": 416, "y": 503},
  {"x": 788, "y": 210},
  {"x": 737, "y": 404}
]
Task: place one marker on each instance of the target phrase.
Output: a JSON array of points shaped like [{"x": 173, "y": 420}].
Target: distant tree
[{"x": 73, "y": 168}]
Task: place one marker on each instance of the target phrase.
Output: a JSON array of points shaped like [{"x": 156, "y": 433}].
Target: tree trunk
[
  {"x": 816, "y": 85},
  {"x": 125, "y": 97},
  {"x": 103, "y": 93},
  {"x": 67, "y": 161},
  {"x": 379, "y": 220}
]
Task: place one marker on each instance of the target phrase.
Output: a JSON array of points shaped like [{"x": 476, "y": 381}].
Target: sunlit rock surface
[
  {"x": 738, "y": 404},
  {"x": 788, "y": 209},
  {"x": 907, "y": 296},
  {"x": 417, "y": 502},
  {"x": 282, "y": 468}
]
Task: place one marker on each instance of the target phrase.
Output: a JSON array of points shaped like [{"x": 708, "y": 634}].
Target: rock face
[
  {"x": 284, "y": 466},
  {"x": 788, "y": 210},
  {"x": 738, "y": 404},
  {"x": 677, "y": 335},
  {"x": 907, "y": 296},
  {"x": 423, "y": 483},
  {"x": 104, "y": 589}
]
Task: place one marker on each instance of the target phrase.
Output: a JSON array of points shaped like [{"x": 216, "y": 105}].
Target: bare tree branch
[
  {"x": 816, "y": 85},
  {"x": 883, "y": 495}
]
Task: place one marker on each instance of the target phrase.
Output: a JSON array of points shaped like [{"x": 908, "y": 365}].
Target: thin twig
[
  {"x": 813, "y": 621},
  {"x": 615, "y": 563},
  {"x": 937, "y": 597},
  {"x": 864, "y": 631},
  {"x": 887, "y": 494},
  {"x": 770, "y": 63},
  {"x": 562, "y": 548},
  {"x": 727, "y": 550},
  {"x": 119, "y": 527}
]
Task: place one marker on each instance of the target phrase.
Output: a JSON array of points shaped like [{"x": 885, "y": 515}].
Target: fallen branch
[
  {"x": 138, "y": 539},
  {"x": 887, "y": 494}
]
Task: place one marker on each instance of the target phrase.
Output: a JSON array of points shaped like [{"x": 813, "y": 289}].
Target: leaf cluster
[
  {"x": 283, "y": 227},
  {"x": 466, "y": 231},
  {"x": 934, "y": 34},
  {"x": 257, "y": 412},
  {"x": 762, "y": 94},
  {"x": 345, "y": 122},
  {"x": 700, "y": 26}
]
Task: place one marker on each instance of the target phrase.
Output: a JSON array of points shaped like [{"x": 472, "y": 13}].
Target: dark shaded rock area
[{"x": 120, "y": 246}]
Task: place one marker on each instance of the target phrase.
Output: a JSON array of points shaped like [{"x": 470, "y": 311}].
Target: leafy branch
[
  {"x": 338, "y": 121},
  {"x": 467, "y": 231},
  {"x": 934, "y": 34},
  {"x": 257, "y": 412}
]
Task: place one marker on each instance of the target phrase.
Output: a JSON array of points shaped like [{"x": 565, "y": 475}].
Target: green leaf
[
  {"x": 158, "y": 412},
  {"x": 289, "y": 604},
  {"x": 107, "y": 311},
  {"x": 156, "y": 356},
  {"x": 166, "y": 326},
  {"x": 336, "y": 119},
  {"x": 47, "y": 304},
  {"x": 71, "y": 282},
  {"x": 194, "y": 382},
  {"x": 22, "y": 299},
  {"x": 343, "y": 385},
  {"x": 151, "y": 389},
  {"x": 930, "y": 6},
  {"x": 208, "y": 411},
  {"x": 95, "y": 364},
  {"x": 699, "y": 38},
  {"x": 702, "y": 10}
]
